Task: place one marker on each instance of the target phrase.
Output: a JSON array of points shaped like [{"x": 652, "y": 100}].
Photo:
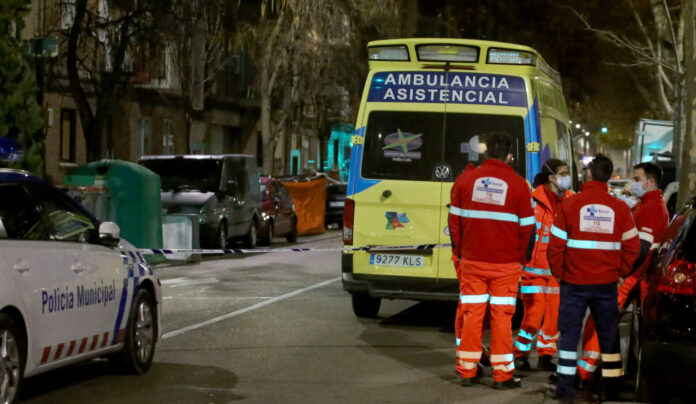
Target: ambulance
[{"x": 426, "y": 108}]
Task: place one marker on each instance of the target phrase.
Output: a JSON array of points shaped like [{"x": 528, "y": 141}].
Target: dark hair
[
  {"x": 548, "y": 169},
  {"x": 601, "y": 168},
  {"x": 651, "y": 170},
  {"x": 498, "y": 145}
]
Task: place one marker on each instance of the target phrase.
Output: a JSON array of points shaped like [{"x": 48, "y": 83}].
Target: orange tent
[{"x": 309, "y": 198}]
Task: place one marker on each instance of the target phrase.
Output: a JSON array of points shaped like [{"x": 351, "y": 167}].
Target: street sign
[{"x": 44, "y": 48}]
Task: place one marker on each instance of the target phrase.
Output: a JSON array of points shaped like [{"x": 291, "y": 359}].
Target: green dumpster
[{"x": 125, "y": 193}]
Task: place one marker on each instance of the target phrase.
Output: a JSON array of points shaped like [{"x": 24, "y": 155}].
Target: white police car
[{"x": 70, "y": 289}]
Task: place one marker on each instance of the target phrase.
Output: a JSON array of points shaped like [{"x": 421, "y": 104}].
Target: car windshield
[
  {"x": 409, "y": 145},
  {"x": 187, "y": 174}
]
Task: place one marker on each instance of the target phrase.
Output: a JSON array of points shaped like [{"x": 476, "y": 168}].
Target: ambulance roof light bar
[
  {"x": 447, "y": 53},
  {"x": 393, "y": 53}
]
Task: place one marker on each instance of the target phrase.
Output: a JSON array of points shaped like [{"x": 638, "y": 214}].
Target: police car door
[
  {"x": 44, "y": 273},
  {"x": 95, "y": 277}
]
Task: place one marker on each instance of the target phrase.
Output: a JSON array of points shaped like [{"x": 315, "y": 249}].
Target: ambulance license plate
[{"x": 397, "y": 260}]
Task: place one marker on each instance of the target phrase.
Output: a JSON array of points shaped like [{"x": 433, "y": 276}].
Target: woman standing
[{"x": 539, "y": 289}]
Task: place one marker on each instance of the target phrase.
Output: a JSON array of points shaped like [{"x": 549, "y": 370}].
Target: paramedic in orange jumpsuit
[
  {"x": 538, "y": 288},
  {"x": 491, "y": 220},
  {"x": 651, "y": 217}
]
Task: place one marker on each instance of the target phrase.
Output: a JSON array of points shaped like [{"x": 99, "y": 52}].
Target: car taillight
[
  {"x": 679, "y": 278},
  {"x": 348, "y": 218}
]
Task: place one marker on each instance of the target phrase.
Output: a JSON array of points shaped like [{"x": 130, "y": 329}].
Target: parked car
[
  {"x": 617, "y": 186},
  {"x": 278, "y": 212},
  {"x": 664, "y": 343},
  {"x": 70, "y": 288},
  {"x": 335, "y": 201},
  {"x": 218, "y": 192}
]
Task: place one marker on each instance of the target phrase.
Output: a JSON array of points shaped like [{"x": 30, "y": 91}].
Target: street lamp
[{"x": 577, "y": 126}]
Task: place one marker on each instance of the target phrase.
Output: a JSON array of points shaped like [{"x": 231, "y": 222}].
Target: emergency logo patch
[
  {"x": 395, "y": 220},
  {"x": 597, "y": 219},
  {"x": 490, "y": 190}
]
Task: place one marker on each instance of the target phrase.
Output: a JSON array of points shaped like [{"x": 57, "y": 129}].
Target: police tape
[{"x": 228, "y": 251}]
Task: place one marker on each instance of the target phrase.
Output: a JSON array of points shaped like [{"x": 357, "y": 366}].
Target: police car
[{"x": 70, "y": 288}]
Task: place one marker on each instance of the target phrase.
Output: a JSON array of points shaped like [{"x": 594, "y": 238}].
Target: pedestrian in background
[
  {"x": 491, "y": 220},
  {"x": 538, "y": 288},
  {"x": 593, "y": 241}
]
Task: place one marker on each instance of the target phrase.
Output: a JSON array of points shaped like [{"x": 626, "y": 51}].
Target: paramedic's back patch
[
  {"x": 597, "y": 219},
  {"x": 490, "y": 190}
]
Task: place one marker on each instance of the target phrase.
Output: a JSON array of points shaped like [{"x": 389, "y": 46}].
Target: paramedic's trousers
[
  {"x": 602, "y": 301},
  {"x": 481, "y": 284}
]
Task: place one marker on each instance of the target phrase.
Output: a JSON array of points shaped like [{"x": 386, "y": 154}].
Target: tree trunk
[
  {"x": 687, "y": 177},
  {"x": 92, "y": 139},
  {"x": 266, "y": 135}
]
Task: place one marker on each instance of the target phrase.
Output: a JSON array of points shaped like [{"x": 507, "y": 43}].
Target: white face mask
[
  {"x": 637, "y": 189},
  {"x": 564, "y": 183}
]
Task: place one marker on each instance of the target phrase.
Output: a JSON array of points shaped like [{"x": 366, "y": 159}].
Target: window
[
  {"x": 168, "y": 137},
  {"x": 145, "y": 136},
  {"x": 410, "y": 145},
  {"x": 67, "y": 135},
  {"x": 64, "y": 221},
  {"x": 19, "y": 216},
  {"x": 67, "y": 13}
]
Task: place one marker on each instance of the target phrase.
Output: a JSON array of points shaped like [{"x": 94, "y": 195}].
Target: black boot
[
  {"x": 512, "y": 383},
  {"x": 522, "y": 363},
  {"x": 546, "y": 364}
]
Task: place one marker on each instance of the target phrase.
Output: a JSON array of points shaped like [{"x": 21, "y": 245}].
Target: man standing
[
  {"x": 593, "y": 241},
  {"x": 491, "y": 221},
  {"x": 651, "y": 217}
]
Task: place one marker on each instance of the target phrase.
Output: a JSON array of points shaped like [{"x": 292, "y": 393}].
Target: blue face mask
[
  {"x": 564, "y": 183},
  {"x": 637, "y": 189}
]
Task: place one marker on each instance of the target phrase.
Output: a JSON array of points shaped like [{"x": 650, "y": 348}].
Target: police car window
[
  {"x": 64, "y": 220},
  {"x": 19, "y": 216},
  {"x": 465, "y": 140},
  {"x": 402, "y": 145}
]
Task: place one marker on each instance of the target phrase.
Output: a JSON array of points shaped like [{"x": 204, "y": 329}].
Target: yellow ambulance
[{"x": 425, "y": 105}]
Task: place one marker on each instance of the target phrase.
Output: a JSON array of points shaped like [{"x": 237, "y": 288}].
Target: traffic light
[{"x": 604, "y": 129}]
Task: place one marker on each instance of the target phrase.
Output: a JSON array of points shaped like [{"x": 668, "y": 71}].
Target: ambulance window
[
  {"x": 465, "y": 140},
  {"x": 19, "y": 215},
  {"x": 402, "y": 145}
]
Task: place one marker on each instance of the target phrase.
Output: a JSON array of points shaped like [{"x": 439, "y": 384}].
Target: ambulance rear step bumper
[{"x": 399, "y": 287}]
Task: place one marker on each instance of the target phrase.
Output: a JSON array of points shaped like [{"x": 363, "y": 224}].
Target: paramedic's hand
[{"x": 621, "y": 281}]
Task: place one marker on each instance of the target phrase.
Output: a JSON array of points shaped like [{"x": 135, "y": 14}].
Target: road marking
[
  {"x": 248, "y": 309},
  {"x": 188, "y": 281}
]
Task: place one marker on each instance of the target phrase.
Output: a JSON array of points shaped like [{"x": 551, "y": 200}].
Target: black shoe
[
  {"x": 551, "y": 395},
  {"x": 467, "y": 381},
  {"x": 546, "y": 364},
  {"x": 512, "y": 383},
  {"x": 522, "y": 363},
  {"x": 553, "y": 378}
]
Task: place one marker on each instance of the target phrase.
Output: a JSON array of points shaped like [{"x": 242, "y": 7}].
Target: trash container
[{"x": 122, "y": 192}]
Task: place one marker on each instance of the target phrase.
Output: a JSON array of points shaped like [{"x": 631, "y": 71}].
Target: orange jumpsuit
[{"x": 539, "y": 290}]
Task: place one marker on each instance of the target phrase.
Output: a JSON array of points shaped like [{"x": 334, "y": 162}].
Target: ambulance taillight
[{"x": 348, "y": 219}]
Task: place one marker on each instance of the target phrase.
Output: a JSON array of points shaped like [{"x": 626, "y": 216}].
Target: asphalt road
[{"x": 278, "y": 328}]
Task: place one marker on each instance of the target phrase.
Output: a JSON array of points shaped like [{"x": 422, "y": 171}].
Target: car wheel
[
  {"x": 250, "y": 239},
  {"x": 268, "y": 238},
  {"x": 221, "y": 239},
  {"x": 13, "y": 348},
  {"x": 140, "y": 338},
  {"x": 364, "y": 305},
  {"x": 292, "y": 236}
]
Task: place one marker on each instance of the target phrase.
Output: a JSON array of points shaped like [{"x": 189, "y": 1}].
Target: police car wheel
[
  {"x": 365, "y": 305},
  {"x": 13, "y": 349},
  {"x": 139, "y": 344}
]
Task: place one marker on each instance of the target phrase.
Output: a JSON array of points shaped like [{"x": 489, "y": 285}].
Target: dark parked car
[
  {"x": 278, "y": 212},
  {"x": 219, "y": 193},
  {"x": 666, "y": 347},
  {"x": 335, "y": 201}
]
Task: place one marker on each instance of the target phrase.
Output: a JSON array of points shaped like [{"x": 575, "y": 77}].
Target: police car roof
[{"x": 12, "y": 175}]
